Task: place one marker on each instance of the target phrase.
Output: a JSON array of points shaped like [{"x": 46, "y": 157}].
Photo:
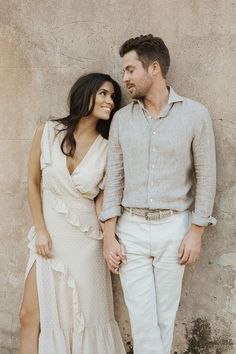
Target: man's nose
[{"x": 126, "y": 77}]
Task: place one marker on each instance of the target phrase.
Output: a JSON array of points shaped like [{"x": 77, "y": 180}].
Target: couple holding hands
[{"x": 121, "y": 204}]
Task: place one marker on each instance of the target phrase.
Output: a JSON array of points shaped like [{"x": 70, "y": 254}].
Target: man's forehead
[{"x": 130, "y": 59}]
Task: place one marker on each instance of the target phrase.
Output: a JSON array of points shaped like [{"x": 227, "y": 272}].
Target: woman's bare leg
[{"x": 29, "y": 315}]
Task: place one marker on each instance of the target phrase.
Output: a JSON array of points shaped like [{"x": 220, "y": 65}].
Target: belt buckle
[{"x": 151, "y": 216}]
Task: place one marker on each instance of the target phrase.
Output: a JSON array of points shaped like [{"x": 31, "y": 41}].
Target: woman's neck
[{"x": 87, "y": 126}]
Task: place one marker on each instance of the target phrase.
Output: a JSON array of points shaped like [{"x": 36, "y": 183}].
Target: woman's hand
[{"x": 43, "y": 244}]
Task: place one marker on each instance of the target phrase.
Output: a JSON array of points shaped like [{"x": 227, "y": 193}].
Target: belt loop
[{"x": 131, "y": 211}]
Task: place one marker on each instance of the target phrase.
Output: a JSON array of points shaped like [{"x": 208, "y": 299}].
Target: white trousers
[{"x": 152, "y": 278}]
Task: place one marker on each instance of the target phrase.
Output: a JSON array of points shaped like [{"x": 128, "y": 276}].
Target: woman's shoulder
[
  {"x": 48, "y": 125},
  {"x": 39, "y": 129}
]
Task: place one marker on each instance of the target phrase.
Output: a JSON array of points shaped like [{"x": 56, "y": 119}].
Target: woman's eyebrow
[{"x": 103, "y": 89}]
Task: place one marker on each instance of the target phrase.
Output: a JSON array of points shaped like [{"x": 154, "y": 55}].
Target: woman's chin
[{"x": 104, "y": 117}]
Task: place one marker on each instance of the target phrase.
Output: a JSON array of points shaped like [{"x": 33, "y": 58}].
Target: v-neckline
[{"x": 83, "y": 159}]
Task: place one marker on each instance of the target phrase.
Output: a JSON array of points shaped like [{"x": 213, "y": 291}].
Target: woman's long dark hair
[{"x": 81, "y": 102}]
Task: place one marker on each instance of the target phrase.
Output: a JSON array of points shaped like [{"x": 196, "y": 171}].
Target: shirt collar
[{"x": 173, "y": 98}]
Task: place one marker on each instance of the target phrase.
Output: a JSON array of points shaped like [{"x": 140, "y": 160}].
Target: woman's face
[{"x": 104, "y": 101}]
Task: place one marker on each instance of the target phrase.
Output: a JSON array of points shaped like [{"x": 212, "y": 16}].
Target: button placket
[{"x": 152, "y": 166}]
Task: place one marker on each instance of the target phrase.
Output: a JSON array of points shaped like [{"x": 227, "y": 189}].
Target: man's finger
[
  {"x": 185, "y": 257},
  {"x": 190, "y": 260},
  {"x": 114, "y": 270},
  {"x": 181, "y": 250}
]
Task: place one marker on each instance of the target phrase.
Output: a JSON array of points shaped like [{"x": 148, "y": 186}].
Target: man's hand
[{"x": 190, "y": 248}]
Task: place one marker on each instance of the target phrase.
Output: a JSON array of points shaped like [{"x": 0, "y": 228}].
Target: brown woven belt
[{"x": 151, "y": 214}]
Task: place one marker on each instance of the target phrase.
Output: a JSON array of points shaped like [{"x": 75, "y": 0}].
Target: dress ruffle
[
  {"x": 58, "y": 266},
  {"x": 61, "y": 207},
  {"x": 106, "y": 340},
  {"x": 74, "y": 219},
  {"x": 106, "y": 337}
]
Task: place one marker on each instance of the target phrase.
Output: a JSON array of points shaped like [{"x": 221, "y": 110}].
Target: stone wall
[{"x": 45, "y": 46}]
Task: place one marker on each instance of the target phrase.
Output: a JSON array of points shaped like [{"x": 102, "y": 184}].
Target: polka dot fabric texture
[{"x": 74, "y": 286}]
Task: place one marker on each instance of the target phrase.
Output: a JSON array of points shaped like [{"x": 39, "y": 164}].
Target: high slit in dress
[{"x": 74, "y": 286}]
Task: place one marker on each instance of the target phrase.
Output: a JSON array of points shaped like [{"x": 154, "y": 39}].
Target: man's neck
[{"x": 156, "y": 99}]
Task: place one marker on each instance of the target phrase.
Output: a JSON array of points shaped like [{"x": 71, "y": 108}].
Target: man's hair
[{"x": 148, "y": 49}]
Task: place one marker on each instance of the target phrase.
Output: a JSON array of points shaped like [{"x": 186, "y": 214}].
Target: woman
[{"x": 67, "y": 304}]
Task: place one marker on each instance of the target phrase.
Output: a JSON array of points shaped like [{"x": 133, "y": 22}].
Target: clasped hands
[{"x": 114, "y": 253}]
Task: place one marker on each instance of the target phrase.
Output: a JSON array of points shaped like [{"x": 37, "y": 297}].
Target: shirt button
[
  {"x": 153, "y": 166},
  {"x": 152, "y": 183},
  {"x": 154, "y": 132},
  {"x": 151, "y": 200},
  {"x": 153, "y": 149}
]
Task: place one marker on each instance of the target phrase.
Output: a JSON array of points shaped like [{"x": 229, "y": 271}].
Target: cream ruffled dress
[{"x": 74, "y": 286}]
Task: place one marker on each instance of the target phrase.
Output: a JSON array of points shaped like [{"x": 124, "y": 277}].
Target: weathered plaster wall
[{"x": 45, "y": 46}]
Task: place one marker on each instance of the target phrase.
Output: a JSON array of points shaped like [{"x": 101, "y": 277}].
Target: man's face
[{"x": 137, "y": 79}]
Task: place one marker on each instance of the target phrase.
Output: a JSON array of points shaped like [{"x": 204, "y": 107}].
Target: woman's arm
[
  {"x": 43, "y": 240},
  {"x": 98, "y": 206}
]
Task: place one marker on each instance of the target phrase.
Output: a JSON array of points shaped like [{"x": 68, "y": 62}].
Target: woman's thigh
[{"x": 30, "y": 305}]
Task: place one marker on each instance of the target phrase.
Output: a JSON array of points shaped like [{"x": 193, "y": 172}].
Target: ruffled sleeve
[{"x": 47, "y": 139}]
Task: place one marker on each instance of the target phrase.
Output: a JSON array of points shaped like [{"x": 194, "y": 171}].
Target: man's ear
[{"x": 155, "y": 68}]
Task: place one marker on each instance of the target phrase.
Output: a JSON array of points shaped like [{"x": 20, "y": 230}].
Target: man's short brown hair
[{"x": 148, "y": 49}]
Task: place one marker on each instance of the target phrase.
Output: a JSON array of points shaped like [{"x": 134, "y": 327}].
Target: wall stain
[
  {"x": 130, "y": 348},
  {"x": 199, "y": 339}
]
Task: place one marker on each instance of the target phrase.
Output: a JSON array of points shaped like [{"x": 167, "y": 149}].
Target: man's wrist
[{"x": 198, "y": 229}]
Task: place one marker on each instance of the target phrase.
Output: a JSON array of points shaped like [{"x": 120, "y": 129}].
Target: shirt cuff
[
  {"x": 203, "y": 221},
  {"x": 110, "y": 213}
]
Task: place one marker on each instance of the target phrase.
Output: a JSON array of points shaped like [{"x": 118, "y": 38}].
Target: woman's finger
[
  {"x": 114, "y": 259},
  {"x": 113, "y": 264},
  {"x": 42, "y": 251}
]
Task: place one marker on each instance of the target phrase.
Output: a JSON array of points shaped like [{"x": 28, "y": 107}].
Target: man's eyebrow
[{"x": 128, "y": 67}]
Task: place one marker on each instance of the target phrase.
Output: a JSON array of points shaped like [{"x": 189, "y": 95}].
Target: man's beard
[
  {"x": 140, "y": 94},
  {"x": 138, "y": 97}
]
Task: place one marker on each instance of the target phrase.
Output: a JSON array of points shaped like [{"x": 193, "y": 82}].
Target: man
[{"x": 156, "y": 143}]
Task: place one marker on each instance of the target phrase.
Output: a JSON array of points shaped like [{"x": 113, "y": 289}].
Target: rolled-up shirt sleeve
[
  {"x": 203, "y": 148},
  {"x": 114, "y": 181}
]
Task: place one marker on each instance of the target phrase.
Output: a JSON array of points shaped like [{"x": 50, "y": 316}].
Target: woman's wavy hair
[{"x": 81, "y": 102}]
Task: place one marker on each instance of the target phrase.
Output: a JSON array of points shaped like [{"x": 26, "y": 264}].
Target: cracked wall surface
[{"x": 45, "y": 46}]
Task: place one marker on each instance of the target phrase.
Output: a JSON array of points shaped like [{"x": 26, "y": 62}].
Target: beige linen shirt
[{"x": 151, "y": 162}]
